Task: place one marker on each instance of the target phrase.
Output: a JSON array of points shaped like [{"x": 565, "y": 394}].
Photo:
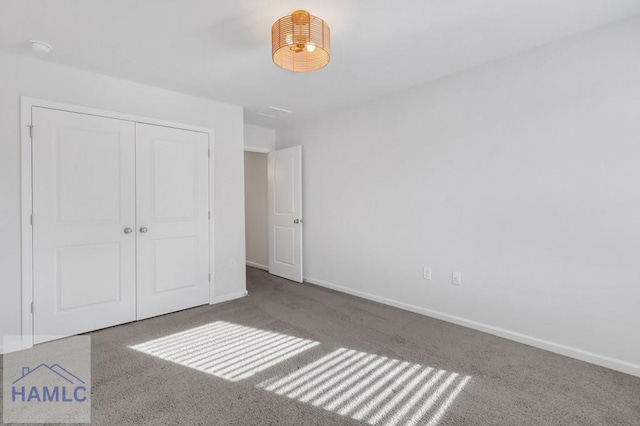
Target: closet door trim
[{"x": 25, "y": 341}]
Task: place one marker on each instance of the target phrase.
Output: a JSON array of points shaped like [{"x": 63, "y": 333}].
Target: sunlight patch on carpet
[
  {"x": 373, "y": 389},
  {"x": 230, "y": 351}
]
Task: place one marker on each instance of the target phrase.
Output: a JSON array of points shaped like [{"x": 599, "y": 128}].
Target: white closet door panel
[
  {"x": 172, "y": 180},
  {"x": 83, "y": 199}
]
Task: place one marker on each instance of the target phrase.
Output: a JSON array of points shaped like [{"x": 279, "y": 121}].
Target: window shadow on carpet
[
  {"x": 371, "y": 388},
  {"x": 230, "y": 351}
]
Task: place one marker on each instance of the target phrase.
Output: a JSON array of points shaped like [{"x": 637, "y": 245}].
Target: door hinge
[
  {"x": 209, "y": 276},
  {"x": 209, "y": 153},
  {"x": 209, "y": 214},
  {"x": 31, "y": 132},
  {"x": 31, "y": 307},
  {"x": 31, "y": 219}
]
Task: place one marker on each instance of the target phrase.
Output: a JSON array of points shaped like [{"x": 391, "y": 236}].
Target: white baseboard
[
  {"x": 12, "y": 347},
  {"x": 257, "y": 265},
  {"x": 593, "y": 358},
  {"x": 228, "y": 297}
]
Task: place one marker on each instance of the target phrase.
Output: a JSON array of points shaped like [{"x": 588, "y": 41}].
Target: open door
[{"x": 285, "y": 213}]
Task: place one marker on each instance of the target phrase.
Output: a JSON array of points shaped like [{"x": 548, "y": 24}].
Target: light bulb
[{"x": 311, "y": 46}]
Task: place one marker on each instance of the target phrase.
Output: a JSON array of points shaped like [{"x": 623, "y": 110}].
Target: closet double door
[{"x": 120, "y": 221}]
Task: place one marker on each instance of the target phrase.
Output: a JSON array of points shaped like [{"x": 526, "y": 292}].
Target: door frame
[
  {"x": 26, "y": 188},
  {"x": 258, "y": 150}
]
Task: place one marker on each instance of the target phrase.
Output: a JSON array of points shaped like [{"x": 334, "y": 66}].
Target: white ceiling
[{"x": 222, "y": 49}]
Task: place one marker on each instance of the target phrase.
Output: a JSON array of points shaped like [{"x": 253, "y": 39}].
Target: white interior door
[
  {"x": 172, "y": 181},
  {"x": 83, "y": 208},
  {"x": 285, "y": 213}
]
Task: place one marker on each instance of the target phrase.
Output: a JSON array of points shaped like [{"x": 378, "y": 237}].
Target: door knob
[
  {"x": 143, "y": 230},
  {"x": 128, "y": 230},
  {"x": 297, "y": 221}
]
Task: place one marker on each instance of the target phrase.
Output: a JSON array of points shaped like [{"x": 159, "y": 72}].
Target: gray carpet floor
[{"x": 297, "y": 354}]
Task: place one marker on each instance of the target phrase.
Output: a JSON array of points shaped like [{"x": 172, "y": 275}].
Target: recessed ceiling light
[{"x": 40, "y": 46}]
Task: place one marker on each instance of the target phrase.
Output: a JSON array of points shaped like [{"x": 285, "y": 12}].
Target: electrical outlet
[
  {"x": 426, "y": 273},
  {"x": 456, "y": 278}
]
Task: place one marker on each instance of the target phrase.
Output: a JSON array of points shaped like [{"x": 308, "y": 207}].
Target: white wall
[
  {"x": 29, "y": 77},
  {"x": 255, "y": 196},
  {"x": 523, "y": 174},
  {"x": 260, "y": 138}
]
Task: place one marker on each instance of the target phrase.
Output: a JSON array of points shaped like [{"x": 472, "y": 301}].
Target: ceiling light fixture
[{"x": 300, "y": 42}]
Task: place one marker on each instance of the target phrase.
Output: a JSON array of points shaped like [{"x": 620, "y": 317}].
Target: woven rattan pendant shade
[{"x": 300, "y": 42}]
